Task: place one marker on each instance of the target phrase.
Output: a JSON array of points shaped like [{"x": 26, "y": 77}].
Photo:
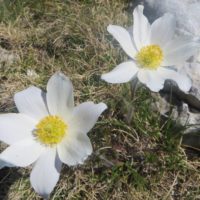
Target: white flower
[
  {"x": 48, "y": 131},
  {"x": 153, "y": 51}
]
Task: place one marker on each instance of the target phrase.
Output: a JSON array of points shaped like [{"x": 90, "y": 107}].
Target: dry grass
[{"x": 140, "y": 160}]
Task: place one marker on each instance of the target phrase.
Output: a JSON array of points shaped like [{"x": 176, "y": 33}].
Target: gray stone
[
  {"x": 183, "y": 108},
  {"x": 7, "y": 58}
]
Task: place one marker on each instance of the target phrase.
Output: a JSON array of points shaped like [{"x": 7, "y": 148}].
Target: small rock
[
  {"x": 32, "y": 74},
  {"x": 7, "y": 58}
]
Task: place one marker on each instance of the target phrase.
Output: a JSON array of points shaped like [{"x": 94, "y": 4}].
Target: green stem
[{"x": 133, "y": 86}]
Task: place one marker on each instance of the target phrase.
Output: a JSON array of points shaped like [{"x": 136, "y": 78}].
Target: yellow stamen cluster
[
  {"x": 51, "y": 130},
  {"x": 150, "y": 57}
]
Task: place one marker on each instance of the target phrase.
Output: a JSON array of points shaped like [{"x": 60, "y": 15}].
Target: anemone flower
[
  {"x": 154, "y": 51},
  {"x": 48, "y": 131}
]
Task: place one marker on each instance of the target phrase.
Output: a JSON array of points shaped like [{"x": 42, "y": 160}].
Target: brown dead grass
[{"x": 141, "y": 160}]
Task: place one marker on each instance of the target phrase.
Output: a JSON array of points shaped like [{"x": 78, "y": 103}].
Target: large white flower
[
  {"x": 153, "y": 50},
  {"x": 48, "y": 131}
]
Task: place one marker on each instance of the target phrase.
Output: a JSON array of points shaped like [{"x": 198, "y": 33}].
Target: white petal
[
  {"x": 46, "y": 172},
  {"x": 163, "y": 29},
  {"x": 60, "y": 97},
  {"x": 179, "y": 50},
  {"x": 155, "y": 79},
  {"x": 122, "y": 73},
  {"x": 5, "y": 164},
  {"x": 183, "y": 82},
  {"x": 74, "y": 150},
  {"x": 141, "y": 28},
  {"x": 124, "y": 39},
  {"x": 15, "y": 127},
  {"x": 31, "y": 102},
  {"x": 151, "y": 79},
  {"x": 22, "y": 154},
  {"x": 86, "y": 115}
]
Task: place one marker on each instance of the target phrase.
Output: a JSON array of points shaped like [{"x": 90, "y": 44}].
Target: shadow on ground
[{"x": 7, "y": 178}]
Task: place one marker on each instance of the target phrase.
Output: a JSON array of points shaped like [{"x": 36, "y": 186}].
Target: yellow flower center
[
  {"x": 51, "y": 130},
  {"x": 150, "y": 57}
]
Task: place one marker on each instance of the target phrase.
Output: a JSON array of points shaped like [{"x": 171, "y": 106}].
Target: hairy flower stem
[
  {"x": 106, "y": 162},
  {"x": 133, "y": 87}
]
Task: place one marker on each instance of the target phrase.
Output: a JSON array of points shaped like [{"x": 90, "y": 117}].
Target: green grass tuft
[{"x": 139, "y": 160}]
